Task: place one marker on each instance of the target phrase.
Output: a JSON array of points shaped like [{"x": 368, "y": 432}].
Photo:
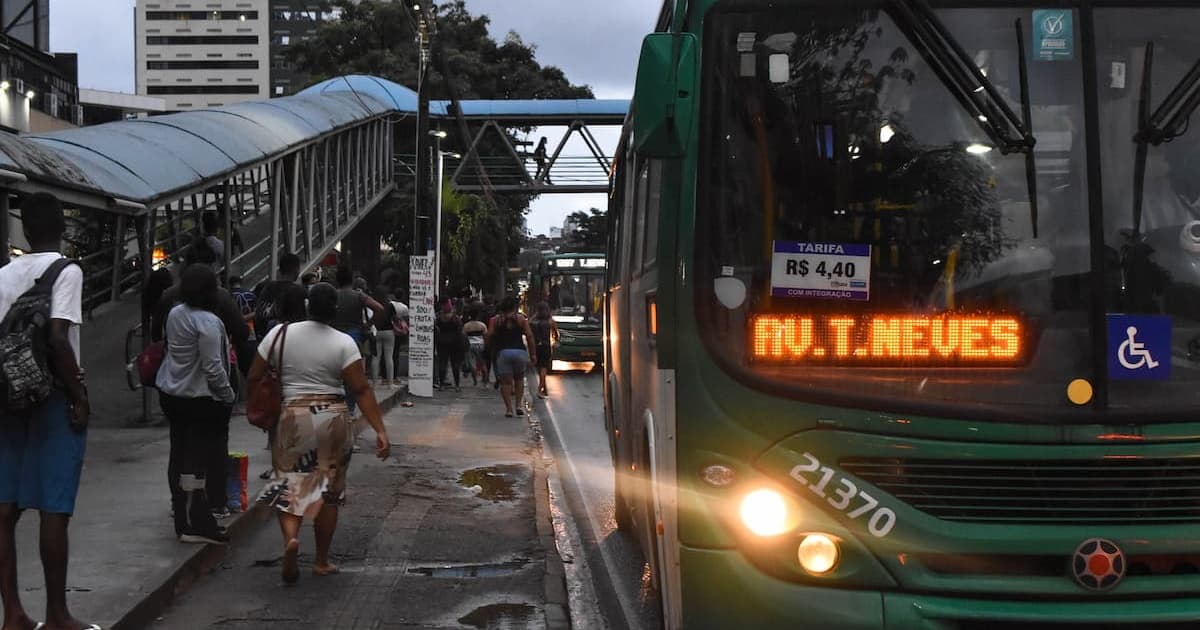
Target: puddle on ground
[
  {"x": 494, "y": 569},
  {"x": 499, "y": 616},
  {"x": 494, "y": 483}
]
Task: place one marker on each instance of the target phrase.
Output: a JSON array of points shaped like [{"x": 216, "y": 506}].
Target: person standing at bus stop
[
  {"x": 41, "y": 456},
  {"x": 508, "y": 333}
]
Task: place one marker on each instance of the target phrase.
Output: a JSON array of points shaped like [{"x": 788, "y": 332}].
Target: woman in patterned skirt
[{"x": 318, "y": 364}]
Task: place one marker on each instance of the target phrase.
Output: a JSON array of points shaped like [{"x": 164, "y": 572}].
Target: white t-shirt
[
  {"x": 66, "y": 302},
  {"x": 314, "y": 356}
]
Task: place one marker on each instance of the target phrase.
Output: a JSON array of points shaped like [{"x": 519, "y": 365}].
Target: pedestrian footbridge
[
  {"x": 289, "y": 174},
  {"x": 297, "y": 174}
]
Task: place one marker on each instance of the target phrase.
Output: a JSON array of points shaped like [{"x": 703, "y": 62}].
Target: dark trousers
[
  {"x": 447, "y": 356},
  {"x": 197, "y": 467}
]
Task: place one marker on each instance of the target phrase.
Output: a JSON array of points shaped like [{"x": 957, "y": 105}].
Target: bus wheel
[{"x": 621, "y": 511}]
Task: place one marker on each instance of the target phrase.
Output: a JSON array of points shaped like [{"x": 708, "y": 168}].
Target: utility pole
[{"x": 421, "y": 192}]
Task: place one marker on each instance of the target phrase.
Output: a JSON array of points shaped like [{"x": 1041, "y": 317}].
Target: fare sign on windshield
[{"x": 933, "y": 341}]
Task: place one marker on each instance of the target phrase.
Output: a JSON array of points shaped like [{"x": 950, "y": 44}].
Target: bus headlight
[
  {"x": 818, "y": 553},
  {"x": 765, "y": 513}
]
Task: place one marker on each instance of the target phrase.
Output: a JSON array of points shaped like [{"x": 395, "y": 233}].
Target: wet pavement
[{"x": 443, "y": 535}]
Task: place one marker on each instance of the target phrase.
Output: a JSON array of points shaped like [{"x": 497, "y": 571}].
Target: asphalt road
[{"x": 573, "y": 419}]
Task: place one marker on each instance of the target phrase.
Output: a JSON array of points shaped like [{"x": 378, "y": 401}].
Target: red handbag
[
  {"x": 264, "y": 404},
  {"x": 149, "y": 361}
]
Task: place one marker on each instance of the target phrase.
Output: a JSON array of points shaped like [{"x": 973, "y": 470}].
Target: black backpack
[{"x": 26, "y": 379}]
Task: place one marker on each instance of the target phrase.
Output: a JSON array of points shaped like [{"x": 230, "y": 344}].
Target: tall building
[
  {"x": 197, "y": 54},
  {"x": 292, "y": 21}
]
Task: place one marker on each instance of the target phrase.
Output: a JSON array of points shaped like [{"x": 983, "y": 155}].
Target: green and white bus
[
  {"x": 573, "y": 286},
  {"x": 904, "y": 314}
]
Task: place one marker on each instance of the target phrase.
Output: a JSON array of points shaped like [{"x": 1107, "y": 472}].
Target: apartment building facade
[{"x": 203, "y": 53}]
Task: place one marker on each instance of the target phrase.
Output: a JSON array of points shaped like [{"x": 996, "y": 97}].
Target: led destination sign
[{"x": 939, "y": 341}]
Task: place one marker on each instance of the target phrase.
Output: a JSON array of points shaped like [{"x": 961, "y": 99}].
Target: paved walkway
[
  {"x": 452, "y": 532},
  {"x": 124, "y": 556}
]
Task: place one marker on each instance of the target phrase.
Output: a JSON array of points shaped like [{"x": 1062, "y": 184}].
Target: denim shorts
[
  {"x": 41, "y": 458},
  {"x": 512, "y": 362}
]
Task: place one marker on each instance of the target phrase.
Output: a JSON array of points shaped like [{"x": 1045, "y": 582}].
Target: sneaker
[
  {"x": 200, "y": 537},
  {"x": 221, "y": 513}
]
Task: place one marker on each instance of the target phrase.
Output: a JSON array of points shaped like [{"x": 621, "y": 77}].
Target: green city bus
[
  {"x": 903, "y": 314},
  {"x": 573, "y": 286}
]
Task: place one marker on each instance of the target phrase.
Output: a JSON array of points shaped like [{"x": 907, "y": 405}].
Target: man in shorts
[{"x": 41, "y": 455}]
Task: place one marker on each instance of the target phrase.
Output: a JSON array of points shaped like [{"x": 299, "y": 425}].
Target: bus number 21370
[{"x": 841, "y": 493}]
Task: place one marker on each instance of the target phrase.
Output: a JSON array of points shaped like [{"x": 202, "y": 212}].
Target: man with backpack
[{"x": 43, "y": 406}]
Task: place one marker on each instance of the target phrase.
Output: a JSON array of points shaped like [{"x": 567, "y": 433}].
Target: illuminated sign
[
  {"x": 574, "y": 263},
  {"x": 932, "y": 341}
]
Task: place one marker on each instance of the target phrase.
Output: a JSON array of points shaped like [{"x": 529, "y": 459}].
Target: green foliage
[
  {"x": 592, "y": 233},
  {"x": 379, "y": 38}
]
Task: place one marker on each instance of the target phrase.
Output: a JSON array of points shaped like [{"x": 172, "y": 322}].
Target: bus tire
[{"x": 621, "y": 512}]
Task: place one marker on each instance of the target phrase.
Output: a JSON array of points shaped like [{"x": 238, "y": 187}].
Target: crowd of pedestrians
[
  {"x": 326, "y": 346},
  {"x": 494, "y": 344}
]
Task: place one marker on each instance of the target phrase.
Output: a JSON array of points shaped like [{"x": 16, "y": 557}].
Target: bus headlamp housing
[
  {"x": 818, "y": 553},
  {"x": 790, "y": 538}
]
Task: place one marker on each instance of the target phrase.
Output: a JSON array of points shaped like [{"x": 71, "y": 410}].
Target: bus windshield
[
  {"x": 867, "y": 242},
  {"x": 575, "y": 298}
]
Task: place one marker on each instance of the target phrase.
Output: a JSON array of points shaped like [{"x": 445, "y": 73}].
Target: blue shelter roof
[{"x": 148, "y": 160}]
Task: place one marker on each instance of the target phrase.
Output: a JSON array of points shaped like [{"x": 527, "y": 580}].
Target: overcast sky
[{"x": 594, "y": 42}]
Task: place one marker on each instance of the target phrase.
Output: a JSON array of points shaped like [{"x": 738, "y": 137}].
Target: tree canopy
[
  {"x": 590, "y": 233},
  {"x": 380, "y": 38}
]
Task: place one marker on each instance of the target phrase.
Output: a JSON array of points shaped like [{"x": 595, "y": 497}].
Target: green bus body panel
[
  {"x": 722, "y": 590},
  {"x": 729, "y": 580}
]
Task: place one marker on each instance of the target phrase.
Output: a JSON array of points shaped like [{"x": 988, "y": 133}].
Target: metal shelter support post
[
  {"x": 275, "y": 177},
  {"x": 118, "y": 255},
  {"x": 5, "y": 225},
  {"x": 146, "y": 229}
]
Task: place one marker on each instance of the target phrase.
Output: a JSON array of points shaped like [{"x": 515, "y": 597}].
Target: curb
[
  {"x": 207, "y": 557},
  {"x": 555, "y": 574}
]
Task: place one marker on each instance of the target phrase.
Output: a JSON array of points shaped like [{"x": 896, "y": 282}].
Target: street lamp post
[{"x": 437, "y": 243}]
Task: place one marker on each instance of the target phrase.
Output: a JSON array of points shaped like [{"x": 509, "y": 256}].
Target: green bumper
[
  {"x": 721, "y": 589},
  {"x": 578, "y": 352}
]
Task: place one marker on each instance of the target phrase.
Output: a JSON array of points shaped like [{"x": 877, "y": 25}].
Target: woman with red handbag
[{"x": 316, "y": 365}]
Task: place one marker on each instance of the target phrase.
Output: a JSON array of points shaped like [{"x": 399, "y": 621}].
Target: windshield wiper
[
  {"x": 1165, "y": 124},
  {"x": 972, "y": 89}
]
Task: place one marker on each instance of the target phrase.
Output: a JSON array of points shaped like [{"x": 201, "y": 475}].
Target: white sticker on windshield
[
  {"x": 1117, "y": 75},
  {"x": 778, "y": 68},
  {"x": 837, "y": 271},
  {"x": 745, "y": 42}
]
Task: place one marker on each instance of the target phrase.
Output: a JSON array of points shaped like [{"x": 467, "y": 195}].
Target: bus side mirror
[{"x": 664, "y": 95}]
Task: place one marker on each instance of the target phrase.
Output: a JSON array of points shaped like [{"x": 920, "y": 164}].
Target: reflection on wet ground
[
  {"x": 499, "y": 616},
  {"x": 494, "y": 483},
  {"x": 494, "y": 569}
]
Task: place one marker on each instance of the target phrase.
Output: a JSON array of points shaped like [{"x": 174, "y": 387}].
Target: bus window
[{"x": 653, "y": 201}]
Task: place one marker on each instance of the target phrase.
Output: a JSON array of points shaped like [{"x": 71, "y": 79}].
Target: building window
[
  {"x": 202, "y": 15},
  {"x": 278, "y": 90},
  {"x": 202, "y": 89},
  {"x": 201, "y": 40},
  {"x": 202, "y": 65},
  {"x": 215, "y": 55}
]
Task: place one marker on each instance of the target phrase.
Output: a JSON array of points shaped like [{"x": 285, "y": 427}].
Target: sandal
[
  {"x": 508, "y": 414},
  {"x": 520, "y": 412}
]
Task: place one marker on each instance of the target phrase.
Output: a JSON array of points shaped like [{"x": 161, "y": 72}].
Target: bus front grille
[{"x": 1113, "y": 491}]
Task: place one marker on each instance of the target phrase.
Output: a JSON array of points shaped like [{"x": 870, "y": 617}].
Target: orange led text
[{"x": 938, "y": 340}]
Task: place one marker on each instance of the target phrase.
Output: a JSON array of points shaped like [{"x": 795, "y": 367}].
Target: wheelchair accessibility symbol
[
  {"x": 1133, "y": 354},
  {"x": 1139, "y": 347}
]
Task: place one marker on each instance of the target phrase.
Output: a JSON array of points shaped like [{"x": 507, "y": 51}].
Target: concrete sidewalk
[
  {"x": 453, "y": 531},
  {"x": 126, "y": 564}
]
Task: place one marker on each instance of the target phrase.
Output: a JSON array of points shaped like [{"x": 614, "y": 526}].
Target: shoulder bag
[{"x": 264, "y": 404}]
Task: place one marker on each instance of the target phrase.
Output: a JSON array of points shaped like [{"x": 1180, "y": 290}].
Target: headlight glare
[{"x": 765, "y": 513}]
